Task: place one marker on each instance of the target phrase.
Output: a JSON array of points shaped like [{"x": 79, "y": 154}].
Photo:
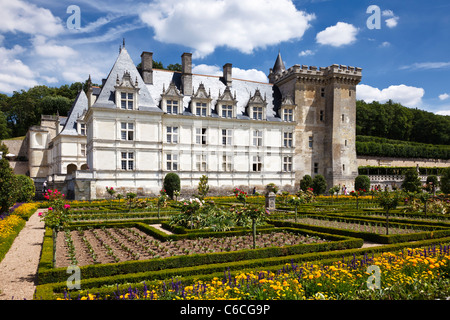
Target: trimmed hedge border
[
  {"x": 53, "y": 291},
  {"x": 378, "y": 238},
  {"x": 47, "y": 274}
]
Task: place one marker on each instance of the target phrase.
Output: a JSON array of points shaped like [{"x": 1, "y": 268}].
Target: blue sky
[{"x": 406, "y": 59}]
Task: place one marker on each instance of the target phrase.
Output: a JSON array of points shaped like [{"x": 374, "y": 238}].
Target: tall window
[
  {"x": 288, "y": 114},
  {"x": 126, "y": 100},
  {"x": 127, "y": 131},
  {"x": 200, "y": 135},
  {"x": 311, "y": 142},
  {"x": 322, "y": 116},
  {"x": 257, "y": 113},
  {"x": 200, "y": 162},
  {"x": 227, "y": 111},
  {"x": 172, "y": 106},
  {"x": 83, "y": 129},
  {"x": 127, "y": 160},
  {"x": 226, "y": 163},
  {"x": 287, "y": 139},
  {"x": 227, "y": 136},
  {"x": 172, "y": 134},
  {"x": 287, "y": 164},
  {"x": 257, "y": 138},
  {"x": 256, "y": 164},
  {"x": 316, "y": 167},
  {"x": 83, "y": 150},
  {"x": 172, "y": 162},
  {"x": 201, "y": 108}
]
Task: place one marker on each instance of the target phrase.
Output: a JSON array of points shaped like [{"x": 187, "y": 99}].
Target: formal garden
[{"x": 369, "y": 244}]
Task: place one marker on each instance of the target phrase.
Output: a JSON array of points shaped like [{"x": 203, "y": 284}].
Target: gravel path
[{"x": 18, "y": 268}]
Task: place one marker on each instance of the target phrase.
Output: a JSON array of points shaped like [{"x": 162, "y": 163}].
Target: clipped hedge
[{"x": 377, "y": 238}]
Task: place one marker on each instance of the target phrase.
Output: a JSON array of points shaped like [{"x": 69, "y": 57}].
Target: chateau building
[{"x": 143, "y": 123}]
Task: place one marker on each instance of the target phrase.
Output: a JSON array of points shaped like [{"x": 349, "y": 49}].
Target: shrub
[
  {"x": 411, "y": 183},
  {"x": 8, "y": 184},
  {"x": 171, "y": 184},
  {"x": 306, "y": 182},
  {"x": 25, "y": 188},
  {"x": 362, "y": 183},
  {"x": 203, "y": 187},
  {"x": 319, "y": 184},
  {"x": 445, "y": 181}
]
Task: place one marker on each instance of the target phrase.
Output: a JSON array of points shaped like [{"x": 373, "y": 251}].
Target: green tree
[
  {"x": 203, "y": 187},
  {"x": 5, "y": 131},
  {"x": 25, "y": 188},
  {"x": 445, "y": 181},
  {"x": 8, "y": 185},
  {"x": 411, "y": 182},
  {"x": 319, "y": 184},
  {"x": 388, "y": 201},
  {"x": 171, "y": 184},
  {"x": 362, "y": 182},
  {"x": 306, "y": 182}
]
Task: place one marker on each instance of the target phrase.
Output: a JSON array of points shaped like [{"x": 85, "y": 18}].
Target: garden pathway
[{"x": 18, "y": 269}]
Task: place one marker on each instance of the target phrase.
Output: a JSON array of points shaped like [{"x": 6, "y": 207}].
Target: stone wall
[{"x": 401, "y": 162}]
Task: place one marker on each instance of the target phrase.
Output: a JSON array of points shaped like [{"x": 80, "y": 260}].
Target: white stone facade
[{"x": 144, "y": 123}]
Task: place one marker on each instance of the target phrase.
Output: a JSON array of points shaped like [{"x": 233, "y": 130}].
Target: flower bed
[
  {"x": 412, "y": 273},
  {"x": 109, "y": 245}
]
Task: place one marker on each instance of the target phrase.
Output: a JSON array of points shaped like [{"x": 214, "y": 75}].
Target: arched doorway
[{"x": 71, "y": 168}]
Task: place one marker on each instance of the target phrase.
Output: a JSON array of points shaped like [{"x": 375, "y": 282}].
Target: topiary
[
  {"x": 319, "y": 184},
  {"x": 362, "y": 182},
  {"x": 171, "y": 183}
]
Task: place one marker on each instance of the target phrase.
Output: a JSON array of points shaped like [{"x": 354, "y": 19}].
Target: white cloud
[
  {"x": 14, "y": 74},
  {"x": 444, "y": 96},
  {"x": 393, "y": 19},
  {"x": 385, "y": 44},
  {"x": 392, "y": 22},
  {"x": 20, "y": 16},
  {"x": 306, "y": 53},
  {"x": 205, "y": 25},
  {"x": 49, "y": 49},
  {"x": 405, "y": 95},
  {"x": 237, "y": 73},
  {"x": 443, "y": 113},
  {"x": 427, "y": 65},
  {"x": 339, "y": 35}
]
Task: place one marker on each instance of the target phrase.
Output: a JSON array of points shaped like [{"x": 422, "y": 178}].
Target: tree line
[{"x": 393, "y": 121}]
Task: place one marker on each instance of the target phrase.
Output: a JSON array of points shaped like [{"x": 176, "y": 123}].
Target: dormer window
[
  {"x": 287, "y": 109},
  {"x": 126, "y": 100},
  {"x": 126, "y": 92},
  {"x": 82, "y": 128},
  {"x": 256, "y": 108},
  {"x": 226, "y": 104},
  {"x": 201, "y": 101},
  {"x": 172, "y": 100}
]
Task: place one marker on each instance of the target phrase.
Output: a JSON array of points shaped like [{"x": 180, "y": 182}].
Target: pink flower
[
  {"x": 40, "y": 214},
  {"x": 67, "y": 206},
  {"x": 50, "y": 208},
  {"x": 50, "y": 191}
]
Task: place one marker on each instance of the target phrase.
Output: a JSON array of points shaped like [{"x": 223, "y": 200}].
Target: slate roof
[
  {"x": 150, "y": 94},
  {"x": 79, "y": 106},
  {"x": 244, "y": 90},
  {"x": 106, "y": 98}
]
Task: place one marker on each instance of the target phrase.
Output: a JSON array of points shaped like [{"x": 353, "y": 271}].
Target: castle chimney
[
  {"x": 186, "y": 73},
  {"x": 227, "y": 68},
  {"x": 147, "y": 67}
]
